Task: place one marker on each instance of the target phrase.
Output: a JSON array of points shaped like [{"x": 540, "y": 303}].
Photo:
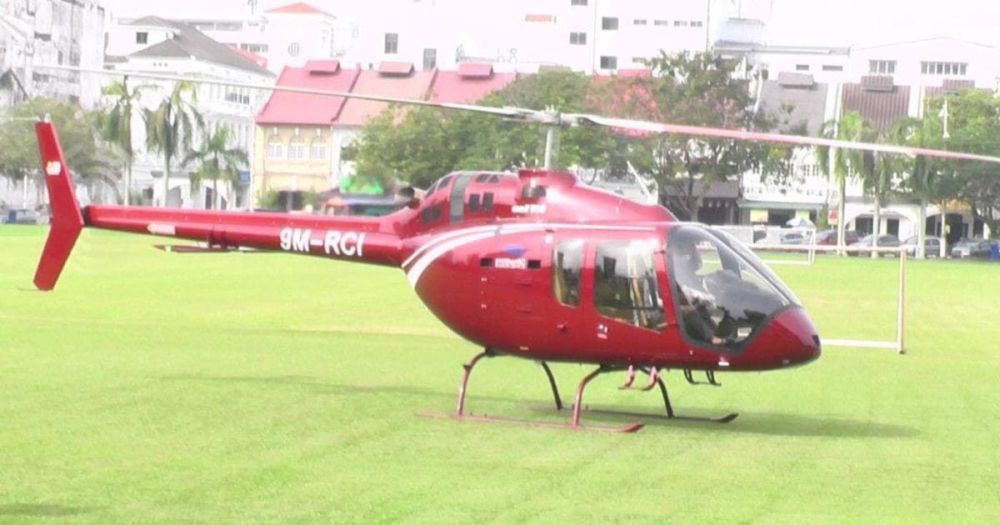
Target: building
[
  {"x": 521, "y": 35},
  {"x": 295, "y": 138},
  {"x": 883, "y": 83},
  {"x": 51, "y": 32},
  {"x": 157, "y": 45},
  {"x": 301, "y": 137}
]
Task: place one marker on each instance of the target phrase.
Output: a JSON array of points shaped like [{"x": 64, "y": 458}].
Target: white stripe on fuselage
[{"x": 424, "y": 256}]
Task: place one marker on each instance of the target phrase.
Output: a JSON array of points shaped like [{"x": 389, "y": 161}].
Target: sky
[{"x": 798, "y": 22}]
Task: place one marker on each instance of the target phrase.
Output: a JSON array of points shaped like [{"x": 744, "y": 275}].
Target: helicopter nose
[{"x": 790, "y": 339}]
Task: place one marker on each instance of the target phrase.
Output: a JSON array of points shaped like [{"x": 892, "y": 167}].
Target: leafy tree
[
  {"x": 118, "y": 124},
  {"x": 217, "y": 160},
  {"x": 428, "y": 143},
  {"x": 89, "y": 158},
  {"x": 171, "y": 126},
  {"x": 704, "y": 90}
]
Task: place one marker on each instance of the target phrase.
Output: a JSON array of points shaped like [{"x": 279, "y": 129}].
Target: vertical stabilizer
[{"x": 67, "y": 221}]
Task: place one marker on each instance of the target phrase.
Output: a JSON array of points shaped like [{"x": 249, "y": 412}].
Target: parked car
[
  {"x": 793, "y": 238},
  {"x": 932, "y": 246},
  {"x": 829, "y": 237},
  {"x": 884, "y": 241},
  {"x": 966, "y": 248},
  {"x": 23, "y": 216}
]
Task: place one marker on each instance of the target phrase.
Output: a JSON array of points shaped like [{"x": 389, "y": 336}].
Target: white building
[
  {"x": 156, "y": 45},
  {"x": 52, "y": 32},
  {"x": 883, "y": 83}
]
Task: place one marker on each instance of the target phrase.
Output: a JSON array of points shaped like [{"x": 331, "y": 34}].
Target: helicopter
[{"x": 533, "y": 264}]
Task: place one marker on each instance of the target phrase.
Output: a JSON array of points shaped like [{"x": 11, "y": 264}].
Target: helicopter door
[{"x": 627, "y": 294}]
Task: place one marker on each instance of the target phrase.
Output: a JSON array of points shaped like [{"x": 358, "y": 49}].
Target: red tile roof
[
  {"x": 469, "y": 84},
  {"x": 359, "y": 112},
  {"x": 298, "y": 8},
  {"x": 879, "y": 104},
  {"x": 303, "y": 109}
]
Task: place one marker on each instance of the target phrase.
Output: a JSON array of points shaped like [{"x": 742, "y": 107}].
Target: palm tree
[
  {"x": 171, "y": 126},
  {"x": 118, "y": 124},
  {"x": 844, "y": 163},
  {"x": 217, "y": 161}
]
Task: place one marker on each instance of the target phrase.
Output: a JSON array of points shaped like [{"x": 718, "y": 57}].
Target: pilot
[{"x": 699, "y": 308}]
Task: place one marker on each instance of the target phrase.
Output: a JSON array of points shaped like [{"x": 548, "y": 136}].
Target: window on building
[
  {"x": 661, "y": 22},
  {"x": 609, "y": 62},
  {"x": 680, "y": 23},
  {"x": 697, "y": 23},
  {"x": 275, "y": 149},
  {"x": 833, "y": 68},
  {"x": 430, "y": 59},
  {"x": 567, "y": 263},
  {"x": 297, "y": 151},
  {"x": 609, "y": 23},
  {"x": 317, "y": 150},
  {"x": 141, "y": 37},
  {"x": 577, "y": 2},
  {"x": 882, "y": 67},
  {"x": 625, "y": 285},
  {"x": 391, "y": 43},
  {"x": 802, "y": 67},
  {"x": 639, "y": 21},
  {"x": 578, "y": 39},
  {"x": 294, "y": 49},
  {"x": 944, "y": 68}
]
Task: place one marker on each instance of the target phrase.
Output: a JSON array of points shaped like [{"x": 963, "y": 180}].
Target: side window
[
  {"x": 625, "y": 286},
  {"x": 431, "y": 214},
  {"x": 474, "y": 202},
  {"x": 488, "y": 201},
  {"x": 567, "y": 261}
]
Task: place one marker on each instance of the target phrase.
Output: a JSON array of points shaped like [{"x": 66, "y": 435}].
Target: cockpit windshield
[{"x": 722, "y": 292}]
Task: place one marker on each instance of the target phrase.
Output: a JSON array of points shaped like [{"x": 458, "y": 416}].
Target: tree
[
  {"x": 171, "y": 126},
  {"x": 843, "y": 163},
  {"x": 118, "y": 124},
  {"x": 704, "y": 90},
  {"x": 217, "y": 160},
  {"x": 427, "y": 143},
  {"x": 89, "y": 158}
]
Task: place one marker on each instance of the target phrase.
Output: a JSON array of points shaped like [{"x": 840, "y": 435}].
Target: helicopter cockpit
[{"x": 722, "y": 291}]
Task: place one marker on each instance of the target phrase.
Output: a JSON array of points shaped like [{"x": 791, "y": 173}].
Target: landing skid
[
  {"x": 728, "y": 418},
  {"x": 619, "y": 429},
  {"x": 655, "y": 379}
]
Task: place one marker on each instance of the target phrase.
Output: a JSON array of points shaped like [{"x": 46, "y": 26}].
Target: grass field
[{"x": 215, "y": 388}]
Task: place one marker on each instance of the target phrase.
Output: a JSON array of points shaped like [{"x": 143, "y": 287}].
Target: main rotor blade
[
  {"x": 507, "y": 112},
  {"x": 553, "y": 118},
  {"x": 777, "y": 138}
]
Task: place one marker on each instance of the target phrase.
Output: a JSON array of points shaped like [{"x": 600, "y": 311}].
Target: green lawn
[{"x": 211, "y": 388}]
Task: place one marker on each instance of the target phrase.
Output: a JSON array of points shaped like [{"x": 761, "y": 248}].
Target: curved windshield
[{"x": 722, "y": 292}]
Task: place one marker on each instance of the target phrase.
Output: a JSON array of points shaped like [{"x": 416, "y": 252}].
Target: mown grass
[{"x": 209, "y": 388}]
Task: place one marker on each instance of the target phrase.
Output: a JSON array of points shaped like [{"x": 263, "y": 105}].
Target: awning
[{"x": 764, "y": 205}]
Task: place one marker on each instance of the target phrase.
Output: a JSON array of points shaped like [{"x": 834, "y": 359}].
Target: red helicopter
[{"x": 533, "y": 264}]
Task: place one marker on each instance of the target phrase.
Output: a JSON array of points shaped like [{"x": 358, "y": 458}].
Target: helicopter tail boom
[{"x": 363, "y": 239}]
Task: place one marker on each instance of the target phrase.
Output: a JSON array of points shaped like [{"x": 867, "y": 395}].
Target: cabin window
[
  {"x": 431, "y": 214},
  {"x": 474, "y": 202},
  {"x": 456, "y": 211},
  {"x": 625, "y": 285},
  {"x": 482, "y": 177},
  {"x": 488, "y": 201},
  {"x": 567, "y": 262}
]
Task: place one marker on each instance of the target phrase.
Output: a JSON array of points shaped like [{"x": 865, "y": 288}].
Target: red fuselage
[{"x": 479, "y": 251}]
